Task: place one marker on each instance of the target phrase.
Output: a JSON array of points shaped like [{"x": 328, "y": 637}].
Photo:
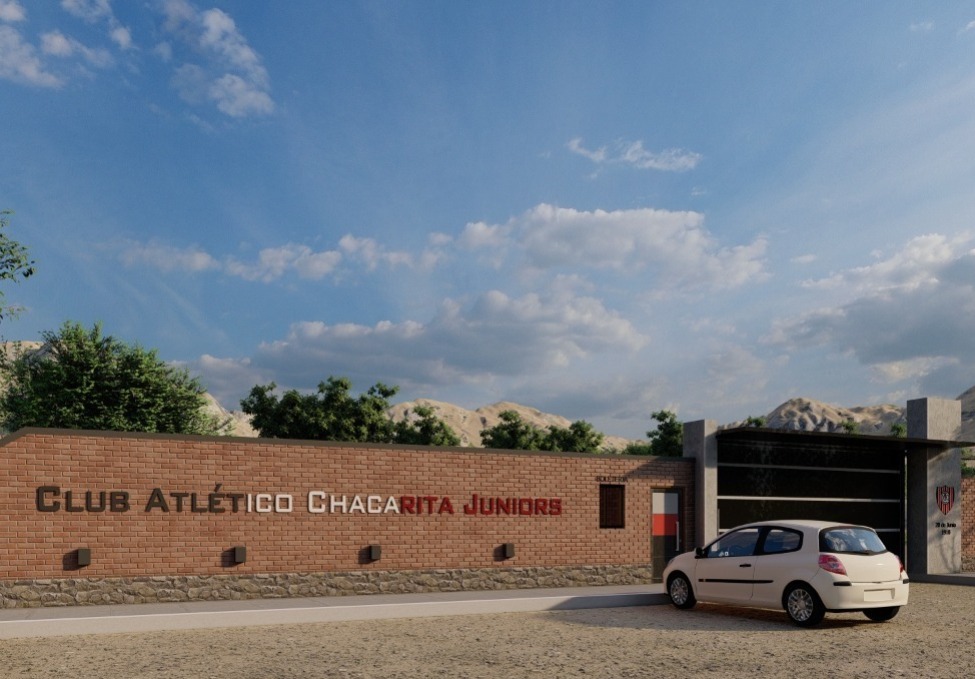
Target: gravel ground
[{"x": 932, "y": 637}]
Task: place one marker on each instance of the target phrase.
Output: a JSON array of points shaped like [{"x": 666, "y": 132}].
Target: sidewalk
[{"x": 69, "y": 620}]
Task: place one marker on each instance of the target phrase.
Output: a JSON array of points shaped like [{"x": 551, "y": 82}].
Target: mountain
[
  {"x": 801, "y": 414},
  {"x": 805, "y": 414}
]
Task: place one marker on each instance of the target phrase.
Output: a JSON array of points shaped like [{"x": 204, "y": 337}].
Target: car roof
[{"x": 796, "y": 523}]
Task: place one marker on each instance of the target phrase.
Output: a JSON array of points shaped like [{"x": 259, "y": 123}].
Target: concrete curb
[{"x": 50, "y": 622}]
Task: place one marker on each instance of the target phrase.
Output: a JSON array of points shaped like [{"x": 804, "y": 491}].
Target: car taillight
[
  {"x": 829, "y": 562},
  {"x": 900, "y": 563}
]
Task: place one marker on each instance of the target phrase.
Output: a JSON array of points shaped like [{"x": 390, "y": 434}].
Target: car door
[
  {"x": 779, "y": 558},
  {"x": 725, "y": 570}
]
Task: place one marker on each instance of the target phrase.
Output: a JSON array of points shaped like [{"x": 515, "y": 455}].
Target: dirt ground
[{"x": 932, "y": 637}]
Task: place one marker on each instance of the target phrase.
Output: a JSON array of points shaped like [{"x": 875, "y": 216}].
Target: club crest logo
[{"x": 945, "y": 497}]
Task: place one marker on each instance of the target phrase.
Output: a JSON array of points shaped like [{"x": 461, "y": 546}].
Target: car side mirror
[{"x": 700, "y": 553}]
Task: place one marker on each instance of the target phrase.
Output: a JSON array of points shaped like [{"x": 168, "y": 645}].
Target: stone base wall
[{"x": 159, "y": 589}]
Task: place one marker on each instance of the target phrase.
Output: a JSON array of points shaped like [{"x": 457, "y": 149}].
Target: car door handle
[{"x": 744, "y": 565}]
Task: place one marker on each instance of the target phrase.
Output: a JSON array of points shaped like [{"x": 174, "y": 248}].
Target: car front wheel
[
  {"x": 803, "y": 605},
  {"x": 679, "y": 589},
  {"x": 881, "y": 614}
]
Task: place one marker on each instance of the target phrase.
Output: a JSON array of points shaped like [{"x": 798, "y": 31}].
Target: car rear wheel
[
  {"x": 679, "y": 589},
  {"x": 881, "y": 614},
  {"x": 803, "y": 605}
]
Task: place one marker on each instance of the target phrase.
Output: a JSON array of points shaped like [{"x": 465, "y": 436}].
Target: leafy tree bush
[
  {"x": 666, "y": 440},
  {"x": 513, "y": 433},
  {"x": 82, "y": 379},
  {"x": 578, "y": 437},
  {"x": 426, "y": 429},
  {"x": 15, "y": 262},
  {"x": 333, "y": 414}
]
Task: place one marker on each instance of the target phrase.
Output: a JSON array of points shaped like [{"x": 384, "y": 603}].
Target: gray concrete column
[
  {"x": 701, "y": 443},
  {"x": 933, "y": 489}
]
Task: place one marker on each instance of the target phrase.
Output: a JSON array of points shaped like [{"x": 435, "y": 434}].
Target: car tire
[
  {"x": 881, "y": 614},
  {"x": 803, "y": 605},
  {"x": 680, "y": 592}
]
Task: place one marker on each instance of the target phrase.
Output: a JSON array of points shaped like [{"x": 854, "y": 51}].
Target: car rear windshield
[{"x": 850, "y": 539}]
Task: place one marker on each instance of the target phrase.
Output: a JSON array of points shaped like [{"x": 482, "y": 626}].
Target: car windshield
[{"x": 851, "y": 539}]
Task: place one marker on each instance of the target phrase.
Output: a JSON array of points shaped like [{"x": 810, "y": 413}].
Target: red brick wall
[
  {"x": 968, "y": 519},
  {"x": 132, "y": 543}
]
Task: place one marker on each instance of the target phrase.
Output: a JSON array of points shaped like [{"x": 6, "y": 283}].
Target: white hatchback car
[{"x": 805, "y": 567}]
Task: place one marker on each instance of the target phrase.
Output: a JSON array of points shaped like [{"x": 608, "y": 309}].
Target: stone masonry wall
[
  {"x": 968, "y": 523},
  {"x": 169, "y": 588}
]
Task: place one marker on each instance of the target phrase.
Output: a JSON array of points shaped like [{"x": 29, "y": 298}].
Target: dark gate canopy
[{"x": 765, "y": 474}]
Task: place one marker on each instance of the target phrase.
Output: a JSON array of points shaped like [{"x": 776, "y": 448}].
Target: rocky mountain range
[{"x": 801, "y": 414}]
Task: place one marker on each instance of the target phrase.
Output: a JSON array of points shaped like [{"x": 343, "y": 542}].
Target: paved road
[{"x": 931, "y": 638}]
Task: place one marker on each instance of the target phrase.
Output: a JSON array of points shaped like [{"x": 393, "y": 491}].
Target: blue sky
[{"x": 596, "y": 209}]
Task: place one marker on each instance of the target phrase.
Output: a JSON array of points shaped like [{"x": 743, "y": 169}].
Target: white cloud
[
  {"x": 89, "y": 10},
  {"x": 19, "y": 62},
  {"x": 121, "y": 36},
  {"x": 493, "y": 335},
  {"x": 12, "y": 11},
  {"x": 56, "y": 44},
  {"x": 166, "y": 258},
  {"x": 369, "y": 252},
  {"x": 919, "y": 263},
  {"x": 633, "y": 154},
  {"x": 272, "y": 263},
  {"x": 93, "y": 11},
  {"x": 922, "y": 27},
  {"x": 674, "y": 246},
  {"x": 59, "y": 45},
  {"x": 911, "y": 369},
  {"x": 164, "y": 51},
  {"x": 231, "y": 75},
  {"x": 908, "y": 317},
  {"x": 239, "y": 98}
]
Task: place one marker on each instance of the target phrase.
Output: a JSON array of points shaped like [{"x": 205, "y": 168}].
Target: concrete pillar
[
  {"x": 701, "y": 443},
  {"x": 933, "y": 489}
]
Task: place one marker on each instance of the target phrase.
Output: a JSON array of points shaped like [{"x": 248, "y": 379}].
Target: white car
[{"x": 805, "y": 567}]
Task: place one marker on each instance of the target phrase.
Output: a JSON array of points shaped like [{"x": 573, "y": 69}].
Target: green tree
[
  {"x": 638, "y": 448},
  {"x": 850, "y": 426},
  {"x": 758, "y": 421},
  {"x": 425, "y": 429},
  {"x": 898, "y": 429},
  {"x": 82, "y": 379},
  {"x": 513, "y": 433},
  {"x": 15, "y": 263},
  {"x": 668, "y": 438},
  {"x": 331, "y": 414},
  {"x": 578, "y": 437}
]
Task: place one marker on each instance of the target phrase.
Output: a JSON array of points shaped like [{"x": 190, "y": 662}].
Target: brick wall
[
  {"x": 134, "y": 542},
  {"x": 968, "y": 523}
]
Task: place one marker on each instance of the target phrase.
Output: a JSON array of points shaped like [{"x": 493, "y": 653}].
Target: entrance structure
[{"x": 909, "y": 489}]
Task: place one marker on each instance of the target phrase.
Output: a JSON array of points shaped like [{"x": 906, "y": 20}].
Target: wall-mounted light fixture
[
  {"x": 374, "y": 552},
  {"x": 84, "y": 556},
  {"x": 240, "y": 554},
  {"x": 508, "y": 550}
]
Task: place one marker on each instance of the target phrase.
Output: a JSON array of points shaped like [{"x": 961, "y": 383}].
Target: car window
[
  {"x": 781, "y": 540},
  {"x": 851, "y": 539},
  {"x": 739, "y": 543}
]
